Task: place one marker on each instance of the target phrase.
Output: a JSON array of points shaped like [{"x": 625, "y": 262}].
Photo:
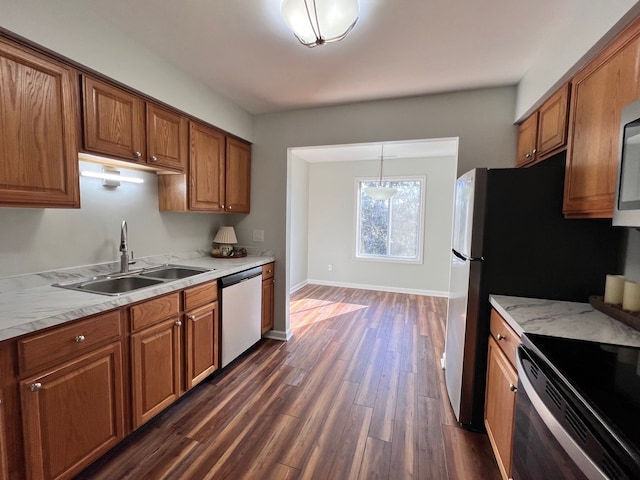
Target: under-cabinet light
[{"x": 111, "y": 175}]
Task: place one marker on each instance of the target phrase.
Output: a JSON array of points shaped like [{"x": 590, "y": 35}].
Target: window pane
[{"x": 390, "y": 228}]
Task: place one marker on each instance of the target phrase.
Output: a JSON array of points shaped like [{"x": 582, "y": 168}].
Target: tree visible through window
[{"x": 391, "y": 229}]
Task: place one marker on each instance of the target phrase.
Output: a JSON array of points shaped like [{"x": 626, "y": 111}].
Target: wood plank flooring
[{"x": 357, "y": 393}]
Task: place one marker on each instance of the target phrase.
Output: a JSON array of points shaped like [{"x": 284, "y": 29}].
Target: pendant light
[
  {"x": 316, "y": 22},
  {"x": 380, "y": 192}
]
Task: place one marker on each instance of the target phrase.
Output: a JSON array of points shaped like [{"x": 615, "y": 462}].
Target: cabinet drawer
[
  {"x": 507, "y": 339},
  {"x": 267, "y": 271},
  {"x": 67, "y": 341},
  {"x": 200, "y": 295},
  {"x": 154, "y": 311}
]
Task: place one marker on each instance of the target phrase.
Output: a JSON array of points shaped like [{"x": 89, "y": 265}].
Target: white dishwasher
[{"x": 241, "y": 311}]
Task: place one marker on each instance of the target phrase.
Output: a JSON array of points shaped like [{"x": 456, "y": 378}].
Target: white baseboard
[
  {"x": 278, "y": 335},
  {"x": 297, "y": 287},
  {"x": 411, "y": 291}
]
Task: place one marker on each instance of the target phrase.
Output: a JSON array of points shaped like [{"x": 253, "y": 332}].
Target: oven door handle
[{"x": 582, "y": 461}]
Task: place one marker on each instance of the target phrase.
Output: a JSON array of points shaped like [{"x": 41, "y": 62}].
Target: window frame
[{"x": 421, "y": 220}]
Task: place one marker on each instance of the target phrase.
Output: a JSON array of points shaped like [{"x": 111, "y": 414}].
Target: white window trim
[{"x": 421, "y": 233}]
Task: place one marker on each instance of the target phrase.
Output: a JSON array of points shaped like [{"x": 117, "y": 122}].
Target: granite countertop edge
[
  {"x": 29, "y": 303},
  {"x": 557, "y": 318}
]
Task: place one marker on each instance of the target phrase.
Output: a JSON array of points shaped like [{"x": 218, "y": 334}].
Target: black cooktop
[{"x": 606, "y": 376}]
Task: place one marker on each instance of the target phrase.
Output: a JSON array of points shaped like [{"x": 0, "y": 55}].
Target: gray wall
[
  {"x": 299, "y": 211},
  {"x": 482, "y": 119},
  {"x": 332, "y": 219}
]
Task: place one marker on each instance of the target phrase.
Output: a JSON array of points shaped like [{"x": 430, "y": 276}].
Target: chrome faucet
[{"x": 126, "y": 257}]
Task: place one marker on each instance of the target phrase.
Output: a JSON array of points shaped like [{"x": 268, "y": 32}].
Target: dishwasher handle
[{"x": 240, "y": 277}]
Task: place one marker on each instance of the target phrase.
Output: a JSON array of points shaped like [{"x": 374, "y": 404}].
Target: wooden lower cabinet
[
  {"x": 201, "y": 343},
  {"x": 500, "y": 402},
  {"x": 268, "y": 290},
  {"x": 156, "y": 369},
  {"x": 73, "y": 413}
]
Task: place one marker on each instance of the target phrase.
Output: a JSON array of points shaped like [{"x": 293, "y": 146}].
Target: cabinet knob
[
  {"x": 527, "y": 155},
  {"x": 179, "y": 323},
  {"x": 34, "y": 387},
  {"x": 80, "y": 338},
  {"x": 154, "y": 158},
  {"x": 191, "y": 317},
  {"x": 501, "y": 337},
  {"x": 229, "y": 207},
  {"x": 534, "y": 151},
  {"x": 513, "y": 388},
  {"x": 137, "y": 154}
]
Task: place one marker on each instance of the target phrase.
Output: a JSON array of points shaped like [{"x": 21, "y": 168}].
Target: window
[{"x": 390, "y": 229}]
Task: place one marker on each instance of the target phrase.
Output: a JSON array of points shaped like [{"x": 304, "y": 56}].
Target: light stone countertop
[
  {"x": 29, "y": 303},
  {"x": 563, "y": 319}
]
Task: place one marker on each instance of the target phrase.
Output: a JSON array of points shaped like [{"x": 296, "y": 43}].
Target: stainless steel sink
[
  {"x": 114, "y": 286},
  {"x": 171, "y": 272},
  {"x": 119, "y": 283}
]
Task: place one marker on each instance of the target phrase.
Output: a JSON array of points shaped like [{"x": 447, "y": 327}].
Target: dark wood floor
[{"x": 357, "y": 393}]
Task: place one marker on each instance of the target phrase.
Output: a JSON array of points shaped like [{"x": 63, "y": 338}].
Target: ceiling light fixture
[
  {"x": 379, "y": 192},
  {"x": 316, "y": 22}
]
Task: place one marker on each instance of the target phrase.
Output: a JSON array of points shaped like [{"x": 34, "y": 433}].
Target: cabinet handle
[
  {"x": 137, "y": 154},
  {"x": 179, "y": 323},
  {"x": 527, "y": 155},
  {"x": 80, "y": 338},
  {"x": 154, "y": 158},
  {"x": 34, "y": 387},
  {"x": 513, "y": 388},
  {"x": 534, "y": 151},
  {"x": 229, "y": 207},
  {"x": 500, "y": 337},
  {"x": 191, "y": 317}
]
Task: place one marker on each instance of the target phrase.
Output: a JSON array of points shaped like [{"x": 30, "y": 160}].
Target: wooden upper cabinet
[
  {"x": 114, "y": 121},
  {"x": 238, "y": 177},
  {"x": 600, "y": 91},
  {"x": 552, "y": 123},
  {"x": 206, "y": 168},
  {"x": 4, "y": 469},
  {"x": 527, "y": 141},
  {"x": 121, "y": 124},
  {"x": 544, "y": 133},
  {"x": 167, "y": 138},
  {"x": 38, "y": 130}
]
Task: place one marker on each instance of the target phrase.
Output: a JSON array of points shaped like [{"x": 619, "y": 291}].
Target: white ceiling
[{"x": 243, "y": 50}]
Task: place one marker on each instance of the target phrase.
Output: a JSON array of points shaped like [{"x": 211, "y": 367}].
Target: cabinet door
[
  {"x": 206, "y": 169},
  {"x": 4, "y": 471},
  {"x": 500, "y": 406},
  {"x": 599, "y": 93},
  {"x": 73, "y": 414},
  {"x": 552, "y": 123},
  {"x": 155, "y": 363},
  {"x": 167, "y": 138},
  {"x": 201, "y": 349},
  {"x": 113, "y": 121},
  {"x": 527, "y": 141},
  {"x": 238, "y": 177},
  {"x": 268, "y": 287},
  {"x": 38, "y": 130}
]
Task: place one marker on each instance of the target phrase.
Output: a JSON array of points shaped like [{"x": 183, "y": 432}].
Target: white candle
[
  {"x": 631, "y": 296},
  {"x": 614, "y": 289}
]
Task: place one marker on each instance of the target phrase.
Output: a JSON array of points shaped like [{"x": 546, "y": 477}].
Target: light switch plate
[{"x": 258, "y": 235}]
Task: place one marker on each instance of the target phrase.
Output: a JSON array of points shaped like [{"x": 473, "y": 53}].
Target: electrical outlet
[
  {"x": 258, "y": 235},
  {"x": 330, "y": 267}
]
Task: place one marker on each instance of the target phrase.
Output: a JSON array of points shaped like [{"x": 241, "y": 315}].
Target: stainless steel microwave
[{"x": 626, "y": 210}]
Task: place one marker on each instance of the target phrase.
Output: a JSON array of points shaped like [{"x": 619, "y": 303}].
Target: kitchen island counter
[
  {"x": 556, "y": 318},
  {"x": 29, "y": 302}
]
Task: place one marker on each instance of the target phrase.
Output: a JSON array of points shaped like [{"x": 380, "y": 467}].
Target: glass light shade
[
  {"x": 381, "y": 193},
  {"x": 226, "y": 235},
  {"x": 315, "y": 22}
]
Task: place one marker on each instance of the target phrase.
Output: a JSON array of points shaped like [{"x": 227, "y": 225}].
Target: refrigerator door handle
[{"x": 465, "y": 258}]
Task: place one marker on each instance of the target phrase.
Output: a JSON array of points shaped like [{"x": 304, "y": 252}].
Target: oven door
[{"x": 542, "y": 446}]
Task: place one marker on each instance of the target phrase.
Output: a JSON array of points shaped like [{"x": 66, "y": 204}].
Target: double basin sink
[{"x": 119, "y": 283}]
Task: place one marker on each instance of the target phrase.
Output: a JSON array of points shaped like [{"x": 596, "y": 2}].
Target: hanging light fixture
[
  {"x": 316, "y": 22},
  {"x": 379, "y": 192}
]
